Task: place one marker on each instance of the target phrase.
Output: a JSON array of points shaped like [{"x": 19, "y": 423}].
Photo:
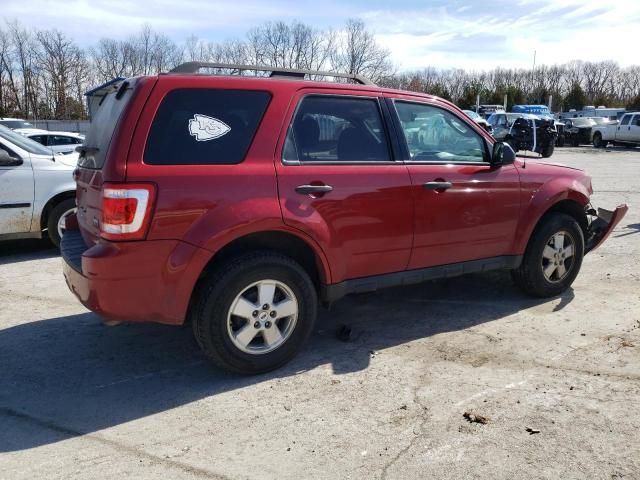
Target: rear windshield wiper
[{"x": 83, "y": 149}]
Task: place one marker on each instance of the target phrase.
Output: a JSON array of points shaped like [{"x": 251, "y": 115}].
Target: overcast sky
[{"x": 419, "y": 33}]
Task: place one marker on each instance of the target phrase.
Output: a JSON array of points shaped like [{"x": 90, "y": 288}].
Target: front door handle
[
  {"x": 311, "y": 189},
  {"x": 437, "y": 185}
]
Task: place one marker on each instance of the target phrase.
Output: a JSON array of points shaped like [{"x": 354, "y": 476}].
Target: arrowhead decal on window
[{"x": 207, "y": 128}]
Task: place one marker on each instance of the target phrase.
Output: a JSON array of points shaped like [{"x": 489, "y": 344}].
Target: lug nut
[
  {"x": 256, "y": 325},
  {"x": 265, "y": 307},
  {"x": 273, "y": 313},
  {"x": 255, "y": 313},
  {"x": 267, "y": 324}
]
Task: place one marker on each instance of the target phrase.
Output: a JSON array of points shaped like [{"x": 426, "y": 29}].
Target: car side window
[
  {"x": 435, "y": 135},
  {"x": 636, "y": 120},
  {"x": 337, "y": 129},
  {"x": 61, "y": 140},
  {"x": 625, "y": 120},
  {"x": 42, "y": 139}
]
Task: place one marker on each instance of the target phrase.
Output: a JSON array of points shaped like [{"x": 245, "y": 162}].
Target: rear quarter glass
[
  {"x": 103, "y": 124},
  {"x": 196, "y": 126}
]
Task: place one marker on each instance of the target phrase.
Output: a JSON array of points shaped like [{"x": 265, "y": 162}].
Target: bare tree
[{"x": 357, "y": 52}]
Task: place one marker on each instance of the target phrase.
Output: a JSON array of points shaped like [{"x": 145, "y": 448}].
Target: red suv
[{"x": 238, "y": 203}]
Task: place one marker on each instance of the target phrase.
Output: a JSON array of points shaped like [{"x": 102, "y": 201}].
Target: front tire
[
  {"x": 553, "y": 257},
  {"x": 547, "y": 152},
  {"x": 55, "y": 222},
  {"x": 255, "y": 313},
  {"x": 597, "y": 140}
]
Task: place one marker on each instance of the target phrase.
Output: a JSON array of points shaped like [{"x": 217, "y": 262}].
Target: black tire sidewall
[
  {"x": 550, "y": 225},
  {"x": 597, "y": 140},
  {"x": 212, "y": 318},
  {"x": 54, "y": 217}
]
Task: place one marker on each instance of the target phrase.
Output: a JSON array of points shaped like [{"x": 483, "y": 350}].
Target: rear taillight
[{"x": 126, "y": 210}]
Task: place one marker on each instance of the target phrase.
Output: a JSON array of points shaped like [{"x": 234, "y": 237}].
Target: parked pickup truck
[{"x": 625, "y": 131}]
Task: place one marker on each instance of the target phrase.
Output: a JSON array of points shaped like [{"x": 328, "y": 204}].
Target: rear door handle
[
  {"x": 437, "y": 185},
  {"x": 310, "y": 189}
]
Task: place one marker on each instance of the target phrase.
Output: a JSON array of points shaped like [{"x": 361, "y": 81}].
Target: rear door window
[
  {"x": 333, "y": 129},
  {"x": 61, "y": 140},
  {"x": 205, "y": 126}
]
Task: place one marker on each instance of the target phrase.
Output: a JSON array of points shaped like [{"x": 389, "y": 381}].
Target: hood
[
  {"x": 552, "y": 164},
  {"x": 68, "y": 162},
  {"x": 70, "y": 159}
]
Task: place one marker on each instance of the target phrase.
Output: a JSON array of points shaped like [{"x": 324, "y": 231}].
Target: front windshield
[
  {"x": 472, "y": 114},
  {"x": 24, "y": 143},
  {"x": 584, "y": 122},
  {"x": 16, "y": 124}
]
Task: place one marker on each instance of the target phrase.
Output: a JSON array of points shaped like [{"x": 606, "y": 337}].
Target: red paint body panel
[
  {"x": 475, "y": 218},
  {"x": 542, "y": 186},
  {"x": 150, "y": 280},
  {"x": 378, "y": 219}
]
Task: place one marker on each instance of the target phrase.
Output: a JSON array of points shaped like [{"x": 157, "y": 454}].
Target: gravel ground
[{"x": 81, "y": 400}]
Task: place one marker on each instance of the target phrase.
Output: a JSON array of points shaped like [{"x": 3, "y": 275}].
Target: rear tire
[
  {"x": 547, "y": 152},
  {"x": 550, "y": 265},
  {"x": 55, "y": 225},
  {"x": 242, "y": 332}
]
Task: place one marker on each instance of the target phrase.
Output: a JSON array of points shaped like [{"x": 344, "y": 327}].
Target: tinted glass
[
  {"x": 625, "y": 120},
  {"x": 636, "y": 120},
  {"x": 337, "y": 129},
  {"x": 42, "y": 139},
  {"x": 205, "y": 126},
  {"x": 103, "y": 123},
  {"x": 433, "y": 134},
  {"x": 62, "y": 140}
]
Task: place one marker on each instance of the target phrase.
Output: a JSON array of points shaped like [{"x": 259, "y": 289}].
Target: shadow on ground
[
  {"x": 15, "y": 251},
  {"x": 71, "y": 376},
  {"x": 633, "y": 227}
]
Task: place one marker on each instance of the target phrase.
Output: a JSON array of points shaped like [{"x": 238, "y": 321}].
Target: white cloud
[
  {"x": 559, "y": 30},
  {"x": 440, "y": 33}
]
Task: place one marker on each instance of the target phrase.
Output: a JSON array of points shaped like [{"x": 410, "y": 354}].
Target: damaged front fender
[{"x": 602, "y": 224}]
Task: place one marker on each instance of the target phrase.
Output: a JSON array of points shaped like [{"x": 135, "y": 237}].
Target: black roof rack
[{"x": 193, "y": 67}]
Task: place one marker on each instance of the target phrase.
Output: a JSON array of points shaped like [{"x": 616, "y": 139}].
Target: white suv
[{"x": 37, "y": 190}]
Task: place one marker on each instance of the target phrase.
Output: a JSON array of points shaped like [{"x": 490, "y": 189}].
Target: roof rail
[{"x": 193, "y": 67}]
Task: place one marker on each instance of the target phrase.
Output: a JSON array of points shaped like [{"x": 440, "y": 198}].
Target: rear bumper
[
  {"x": 602, "y": 225},
  {"x": 133, "y": 281}
]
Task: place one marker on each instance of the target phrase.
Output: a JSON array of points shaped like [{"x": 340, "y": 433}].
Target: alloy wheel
[
  {"x": 262, "y": 317},
  {"x": 558, "y": 256}
]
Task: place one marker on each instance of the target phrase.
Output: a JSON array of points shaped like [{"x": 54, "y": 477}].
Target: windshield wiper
[{"x": 83, "y": 150}]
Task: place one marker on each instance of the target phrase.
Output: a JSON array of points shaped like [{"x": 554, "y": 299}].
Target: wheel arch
[
  {"x": 571, "y": 202},
  {"x": 51, "y": 204},
  {"x": 302, "y": 250}
]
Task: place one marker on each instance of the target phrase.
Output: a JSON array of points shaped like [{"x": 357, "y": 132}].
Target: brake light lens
[{"x": 126, "y": 210}]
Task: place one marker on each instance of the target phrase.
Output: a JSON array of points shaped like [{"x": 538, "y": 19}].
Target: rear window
[
  {"x": 205, "y": 126},
  {"x": 103, "y": 124}
]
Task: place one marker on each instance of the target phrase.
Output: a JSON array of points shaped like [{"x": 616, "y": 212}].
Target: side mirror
[
  {"x": 7, "y": 160},
  {"x": 502, "y": 154}
]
